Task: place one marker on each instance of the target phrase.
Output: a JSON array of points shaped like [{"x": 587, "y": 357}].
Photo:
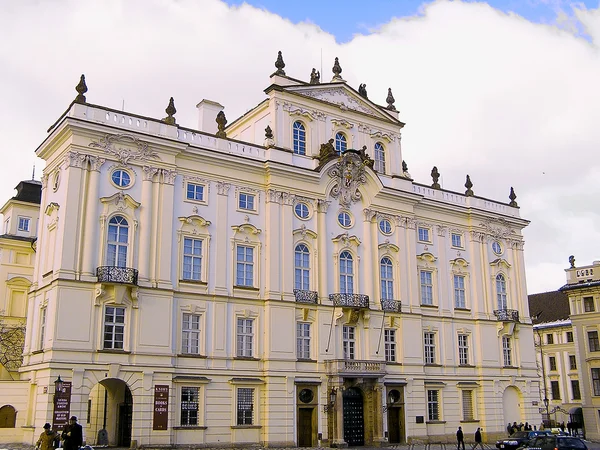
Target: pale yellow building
[{"x": 279, "y": 281}]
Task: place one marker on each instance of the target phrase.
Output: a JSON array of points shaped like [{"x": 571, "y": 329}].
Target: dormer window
[
  {"x": 299, "y": 138},
  {"x": 24, "y": 224},
  {"x": 341, "y": 144}
]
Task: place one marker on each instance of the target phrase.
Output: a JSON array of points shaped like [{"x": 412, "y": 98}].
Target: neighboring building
[
  {"x": 234, "y": 286},
  {"x": 555, "y": 343},
  {"x": 583, "y": 289}
]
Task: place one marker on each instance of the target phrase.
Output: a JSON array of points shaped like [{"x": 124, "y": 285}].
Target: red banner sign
[
  {"x": 161, "y": 407},
  {"x": 62, "y": 407}
]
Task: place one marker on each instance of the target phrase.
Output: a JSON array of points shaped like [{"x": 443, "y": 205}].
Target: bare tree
[{"x": 12, "y": 341}]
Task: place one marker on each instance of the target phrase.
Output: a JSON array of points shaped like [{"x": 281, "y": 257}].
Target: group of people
[
  {"x": 71, "y": 437},
  {"x": 460, "y": 438},
  {"x": 519, "y": 427}
]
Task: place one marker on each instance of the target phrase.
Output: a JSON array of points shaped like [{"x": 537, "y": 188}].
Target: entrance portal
[
  {"x": 354, "y": 425},
  {"x": 110, "y": 409},
  {"x": 511, "y": 406}
]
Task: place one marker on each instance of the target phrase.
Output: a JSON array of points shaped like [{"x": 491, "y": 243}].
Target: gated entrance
[{"x": 354, "y": 424}]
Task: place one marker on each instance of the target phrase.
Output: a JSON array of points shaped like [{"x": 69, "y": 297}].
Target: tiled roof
[{"x": 548, "y": 307}]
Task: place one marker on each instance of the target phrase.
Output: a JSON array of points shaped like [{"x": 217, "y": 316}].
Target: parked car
[
  {"x": 552, "y": 442},
  {"x": 519, "y": 439}
]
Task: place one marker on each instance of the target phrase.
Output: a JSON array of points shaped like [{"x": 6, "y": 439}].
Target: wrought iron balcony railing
[
  {"x": 112, "y": 274},
  {"x": 350, "y": 300},
  {"x": 354, "y": 367},
  {"x": 507, "y": 315},
  {"x": 303, "y": 296},
  {"x": 391, "y": 305}
]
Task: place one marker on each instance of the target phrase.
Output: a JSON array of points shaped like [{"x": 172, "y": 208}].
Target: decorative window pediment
[
  {"x": 245, "y": 230},
  {"x": 304, "y": 233},
  {"x": 500, "y": 263},
  {"x": 119, "y": 203},
  {"x": 387, "y": 248},
  {"x": 194, "y": 225},
  {"x": 344, "y": 240},
  {"x": 427, "y": 258},
  {"x": 459, "y": 264}
]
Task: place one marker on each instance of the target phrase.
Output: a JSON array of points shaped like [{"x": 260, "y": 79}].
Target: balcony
[
  {"x": 303, "y": 296},
  {"x": 391, "y": 305},
  {"x": 507, "y": 315},
  {"x": 355, "y": 368},
  {"x": 350, "y": 300},
  {"x": 112, "y": 274}
]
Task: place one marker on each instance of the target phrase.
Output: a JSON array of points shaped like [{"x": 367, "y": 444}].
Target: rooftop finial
[
  {"x": 221, "y": 122},
  {"x": 469, "y": 185},
  {"x": 269, "y": 141},
  {"x": 435, "y": 175},
  {"x": 279, "y": 64},
  {"x": 315, "y": 77},
  {"x": 336, "y": 69},
  {"x": 390, "y": 100},
  {"x": 572, "y": 261},
  {"x": 512, "y": 198},
  {"x": 81, "y": 89},
  {"x": 170, "y": 110},
  {"x": 362, "y": 90}
]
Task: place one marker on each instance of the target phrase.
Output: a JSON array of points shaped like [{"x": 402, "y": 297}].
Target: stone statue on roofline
[
  {"x": 221, "y": 122},
  {"x": 362, "y": 90},
  {"x": 326, "y": 152},
  {"x": 572, "y": 261},
  {"x": 315, "y": 77},
  {"x": 367, "y": 160}
]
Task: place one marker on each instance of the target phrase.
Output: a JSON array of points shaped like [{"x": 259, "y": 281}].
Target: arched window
[
  {"x": 301, "y": 267},
  {"x": 501, "y": 291},
  {"x": 8, "y": 417},
  {"x": 341, "y": 145},
  {"x": 299, "y": 138},
  {"x": 379, "y": 165},
  {"x": 387, "y": 278},
  {"x": 346, "y": 273},
  {"x": 118, "y": 239}
]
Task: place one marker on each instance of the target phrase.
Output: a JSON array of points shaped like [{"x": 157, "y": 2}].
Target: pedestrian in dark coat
[
  {"x": 72, "y": 435},
  {"x": 478, "y": 439},
  {"x": 460, "y": 439}
]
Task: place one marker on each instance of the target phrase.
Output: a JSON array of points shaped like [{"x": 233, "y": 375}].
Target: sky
[{"x": 505, "y": 91}]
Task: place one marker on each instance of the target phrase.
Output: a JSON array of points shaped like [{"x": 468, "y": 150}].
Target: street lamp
[
  {"x": 58, "y": 385},
  {"x": 332, "y": 396}
]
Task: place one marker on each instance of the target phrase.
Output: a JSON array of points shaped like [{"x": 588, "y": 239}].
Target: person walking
[
  {"x": 478, "y": 439},
  {"x": 460, "y": 439},
  {"x": 72, "y": 435},
  {"x": 46, "y": 440}
]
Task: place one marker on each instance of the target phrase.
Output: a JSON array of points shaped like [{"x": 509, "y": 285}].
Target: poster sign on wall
[
  {"x": 62, "y": 407},
  {"x": 161, "y": 407}
]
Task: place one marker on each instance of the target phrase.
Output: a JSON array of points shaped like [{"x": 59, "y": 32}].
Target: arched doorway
[
  {"x": 8, "y": 416},
  {"x": 511, "y": 405},
  {"x": 110, "y": 408},
  {"x": 354, "y": 424},
  {"x": 395, "y": 414}
]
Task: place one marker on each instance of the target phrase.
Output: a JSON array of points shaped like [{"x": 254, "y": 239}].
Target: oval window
[
  {"x": 385, "y": 226},
  {"x": 344, "y": 219},
  {"x": 121, "y": 178},
  {"x": 497, "y": 248},
  {"x": 301, "y": 210}
]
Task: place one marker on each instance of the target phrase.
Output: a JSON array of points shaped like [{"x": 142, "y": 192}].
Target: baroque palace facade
[{"x": 278, "y": 281}]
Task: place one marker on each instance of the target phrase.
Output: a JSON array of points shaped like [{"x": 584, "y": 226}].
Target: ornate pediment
[{"x": 125, "y": 147}]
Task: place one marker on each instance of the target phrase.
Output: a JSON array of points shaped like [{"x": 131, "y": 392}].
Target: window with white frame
[
  {"x": 507, "y": 351},
  {"x": 114, "y": 328},
  {"x": 299, "y": 138},
  {"x": 572, "y": 362},
  {"x": 244, "y": 275},
  {"x": 303, "y": 340},
  {"x": 433, "y": 405},
  {"x": 423, "y": 234},
  {"x": 43, "y": 314},
  {"x": 190, "y": 400},
  {"x": 245, "y": 406},
  {"x": 552, "y": 363},
  {"x": 24, "y": 224},
  {"x": 301, "y": 267},
  {"x": 555, "y": 388},
  {"x": 588, "y": 304},
  {"x": 501, "y": 292},
  {"x": 549, "y": 338},
  {"x": 593, "y": 342},
  {"x": 575, "y": 390},
  {"x": 245, "y": 337},
  {"x": 246, "y": 201},
  {"x": 379, "y": 158},
  {"x": 459, "y": 292},
  {"x": 348, "y": 342},
  {"x": 195, "y": 192},
  {"x": 387, "y": 278},
  {"x": 346, "y": 273},
  {"x": 426, "y": 279},
  {"x": 192, "y": 259},
  {"x": 118, "y": 241},
  {"x": 457, "y": 240},
  {"x": 463, "y": 349},
  {"x": 389, "y": 339},
  {"x": 467, "y": 405},
  {"x": 190, "y": 334},
  {"x": 429, "y": 347},
  {"x": 341, "y": 143},
  {"x": 596, "y": 381}
]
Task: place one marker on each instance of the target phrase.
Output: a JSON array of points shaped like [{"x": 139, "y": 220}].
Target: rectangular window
[
  {"x": 596, "y": 382},
  {"x": 303, "y": 340},
  {"x": 549, "y": 338},
  {"x": 195, "y": 192},
  {"x": 244, "y": 266},
  {"x": 555, "y": 390},
  {"x": 246, "y": 201},
  {"x": 189, "y": 406},
  {"x": 552, "y": 363},
  {"x": 192, "y": 259},
  {"x": 433, "y": 410},
  {"x": 429, "y": 343},
  {"x": 572, "y": 362},
  {"x": 190, "y": 334},
  {"x": 114, "y": 328},
  {"x": 459, "y": 291},
  {"x": 423, "y": 234},
  {"x": 463, "y": 349},
  {"x": 245, "y": 406},
  {"x": 348, "y": 342},
  {"x": 389, "y": 337},
  {"x": 588, "y": 304},
  {"x": 426, "y": 287},
  {"x": 457, "y": 240},
  {"x": 24, "y": 223},
  {"x": 467, "y": 405},
  {"x": 569, "y": 336},
  {"x": 245, "y": 337},
  {"x": 575, "y": 390},
  {"x": 593, "y": 341},
  {"x": 507, "y": 351},
  {"x": 43, "y": 313}
]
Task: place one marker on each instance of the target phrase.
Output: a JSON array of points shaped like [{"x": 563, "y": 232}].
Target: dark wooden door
[
  {"x": 354, "y": 424},
  {"x": 305, "y": 431},
  {"x": 394, "y": 425},
  {"x": 125, "y": 420}
]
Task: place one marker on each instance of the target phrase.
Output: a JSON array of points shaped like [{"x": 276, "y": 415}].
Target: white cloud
[{"x": 486, "y": 93}]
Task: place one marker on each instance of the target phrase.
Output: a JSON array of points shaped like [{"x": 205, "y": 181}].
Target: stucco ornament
[
  {"x": 350, "y": 174},
  {"x": 124, "y": 154}
]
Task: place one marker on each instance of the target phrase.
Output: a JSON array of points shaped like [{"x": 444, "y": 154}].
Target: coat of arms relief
[{"x": 349, "y": 174}]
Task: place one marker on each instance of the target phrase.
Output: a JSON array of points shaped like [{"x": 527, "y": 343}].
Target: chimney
[{"x": 207, "y": 115}]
